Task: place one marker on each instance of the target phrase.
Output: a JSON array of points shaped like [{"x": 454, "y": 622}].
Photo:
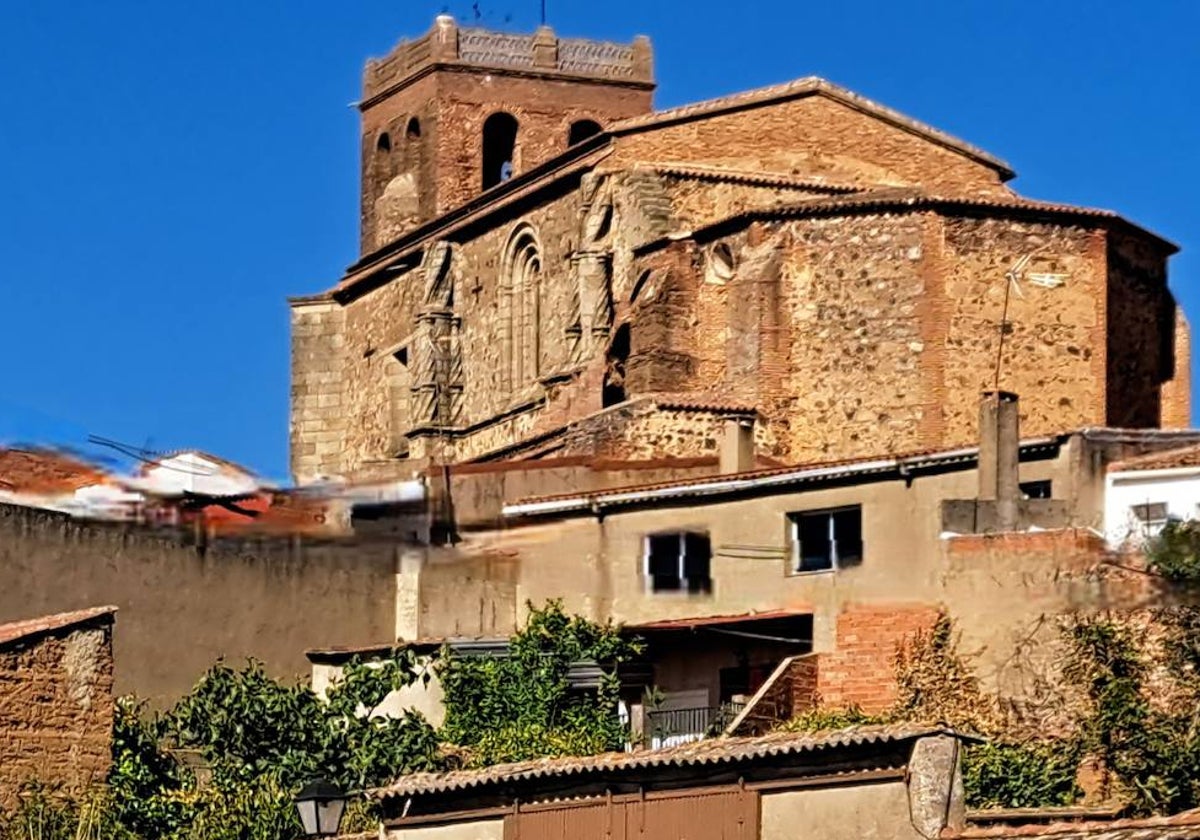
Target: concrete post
[
  {"x": 936, "y": 799},
  {"x": 999, "y": 455},
  {"x": 737, "y": 446}
]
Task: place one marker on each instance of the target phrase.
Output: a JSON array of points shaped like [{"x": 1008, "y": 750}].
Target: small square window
[
  {"x": 678, "y": 562},
  {"x": 1036, "y": 490},
  {"x": 1151, "y": 517},
  {"x": 827, "y": 539}
]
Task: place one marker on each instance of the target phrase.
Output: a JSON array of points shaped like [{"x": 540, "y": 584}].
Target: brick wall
[
  {"x": 451, "y": 104},
  {"x": 824, "y": 138},
  {"x": 56, "y": 707},
  {"x": 860, "y": 671}
]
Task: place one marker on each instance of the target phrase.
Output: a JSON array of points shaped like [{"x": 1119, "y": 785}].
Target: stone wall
[
  {"x": 1054, "y": 347},
  {"x": 183, "y": 606},
  {"x": 318, "y": 417},
  {"x": 1141, "y": 329},
  {"x": 1177, "y": 391},
  {"x": 56, "y": 709}
]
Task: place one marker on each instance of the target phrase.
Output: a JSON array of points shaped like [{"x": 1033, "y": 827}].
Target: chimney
[
  {"x": 999, "y": 455},
  {"x": 737, "y": 447}
]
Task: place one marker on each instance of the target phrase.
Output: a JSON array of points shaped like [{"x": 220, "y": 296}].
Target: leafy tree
[{"x": 521, "y": 706}]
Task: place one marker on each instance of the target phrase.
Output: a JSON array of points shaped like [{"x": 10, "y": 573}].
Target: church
[{"x": 551, "y": 268}]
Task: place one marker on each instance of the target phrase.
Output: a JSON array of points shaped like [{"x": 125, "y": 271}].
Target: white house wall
[{"x": 1178, "y": 489}]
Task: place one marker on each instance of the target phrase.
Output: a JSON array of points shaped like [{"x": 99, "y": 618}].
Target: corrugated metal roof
[
  {"x": 755, "y": 479},
  {"x": 1183, "y": 826},
  {"x": 712, "y": 751}
]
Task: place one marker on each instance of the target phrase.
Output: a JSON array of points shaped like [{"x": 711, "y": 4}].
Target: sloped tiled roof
[
  {"x": 766, "y": 178},
  {"x": 913, "y": 198},
  {"x": 711, "y": 751},
  {"x": 714, "y": 403},
  {"x": 1184, "y": 456},
  {"x": 44, "y": 471},
  {"x": 1184, "y": 826},
  {"x": 16, "y": 630}
]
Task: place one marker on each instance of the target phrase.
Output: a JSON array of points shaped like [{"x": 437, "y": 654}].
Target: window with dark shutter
[
  {"x": 827, "y": 539},
  {"x": 697, "y": 561},
  {"x": 678, "y": 562},
  {"x": 663, "y": 562}
]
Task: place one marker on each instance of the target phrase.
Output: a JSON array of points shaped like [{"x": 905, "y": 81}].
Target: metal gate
[{"x": 696, "y": 815}]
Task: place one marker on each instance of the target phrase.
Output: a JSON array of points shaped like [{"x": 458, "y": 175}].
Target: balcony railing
[{"x": 671, "y": 727}]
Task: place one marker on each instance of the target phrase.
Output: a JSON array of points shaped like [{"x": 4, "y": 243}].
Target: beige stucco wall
[
  {"x": 595, "y": 565},
  {"x": 872, "y": 812},
  {"x": 481, "y": 830}
]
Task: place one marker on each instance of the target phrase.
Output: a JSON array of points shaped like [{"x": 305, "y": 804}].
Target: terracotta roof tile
[
  {"x": 911, "y": 198},
  {"x": 1185, "y": 456},
  {"x": 44, "y": 471},
  {"x": 702, "y": 402},
  {"x": 1183, "y": 826},
  {"x": 709, "y": 751},
  {"x": 744, "y": 176},
  {"x": 17, "y": 630}
]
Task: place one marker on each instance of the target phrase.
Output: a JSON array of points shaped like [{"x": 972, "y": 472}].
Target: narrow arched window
[
  {"x": 521, "y": 303},
  {"x": 384, "y": 143},
  {"x": 413, "y": 132},
  {"x": 499, "y": 149},
  {"x": 614, "y": 390},
  {"x": 582, "y": 130}
]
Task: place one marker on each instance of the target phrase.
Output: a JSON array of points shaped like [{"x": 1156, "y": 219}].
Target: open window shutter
[
  {"x": 697, "y": 562},
  {"x": 814, "y": 542},
  {"x": 847, "y": 530},
  {"x": 664, "y": 562}
]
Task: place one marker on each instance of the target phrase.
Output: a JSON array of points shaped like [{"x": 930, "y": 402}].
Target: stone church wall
[{"x": 823, "y": 138}]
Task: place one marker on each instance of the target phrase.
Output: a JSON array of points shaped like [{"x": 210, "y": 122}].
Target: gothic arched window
[{"x": 521, "y": 308}]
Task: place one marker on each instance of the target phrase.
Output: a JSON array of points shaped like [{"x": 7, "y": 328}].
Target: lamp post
[{"x": 321, "y": 805}]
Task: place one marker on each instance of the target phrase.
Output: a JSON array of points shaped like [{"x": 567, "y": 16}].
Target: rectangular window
[
  {"x": 1152, "y": 517},
  {"x": 1036, "y": 489},
  {"x": 827, "y": 539},
  {"x": 678, "y": 562}
]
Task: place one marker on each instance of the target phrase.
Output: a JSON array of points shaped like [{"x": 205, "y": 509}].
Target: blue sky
[{"x": 171, "y": 172}]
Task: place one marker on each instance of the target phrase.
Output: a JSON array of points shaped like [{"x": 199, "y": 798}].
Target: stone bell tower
[{"x": 460, "y": 110}]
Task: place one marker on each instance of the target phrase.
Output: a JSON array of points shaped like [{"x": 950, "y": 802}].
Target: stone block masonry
[{"x": 56, "y": 702}]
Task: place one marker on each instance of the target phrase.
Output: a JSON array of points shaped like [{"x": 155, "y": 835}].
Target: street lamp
[{"x": 320, "y": 804}]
